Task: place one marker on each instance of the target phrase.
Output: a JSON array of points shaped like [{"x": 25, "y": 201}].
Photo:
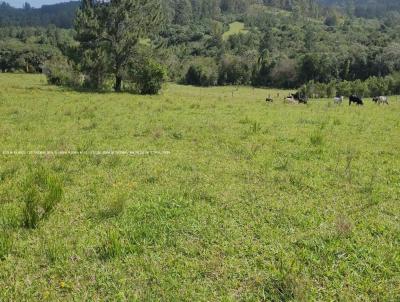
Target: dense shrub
[
  {"x": 373, "y": 86},
  {"x": 149, "y": 77},
  {"x": 394, "y": 83},
  {"x": 61, "y": 73},
  {"x": 234, "y": 70},
  {"x": 202, "y": 73},
  {"x": 284, "y": 73}
]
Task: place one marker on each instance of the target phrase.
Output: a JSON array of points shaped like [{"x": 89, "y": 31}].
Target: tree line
[
  {"x": 60, "y": 15},
  {"x": 135, "y": 44}
]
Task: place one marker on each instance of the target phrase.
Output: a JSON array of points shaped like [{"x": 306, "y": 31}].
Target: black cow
[
  {"x": 356, "y": 100},
  {"x": 269, "y": 100},
  {"x": 302, "y": 99}
]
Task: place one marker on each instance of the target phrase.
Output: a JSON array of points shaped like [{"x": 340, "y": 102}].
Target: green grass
[
  {"x": 234, "y": 29},
  {"x": 254, "y": 202}
]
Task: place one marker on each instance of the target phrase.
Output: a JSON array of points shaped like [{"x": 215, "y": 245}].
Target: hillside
[
  {"x": 366, "y": 8},
  {"x": 60, "y": 15},
  {"x": 213, "y": 42},
  {"x": 178, "y": 11}
]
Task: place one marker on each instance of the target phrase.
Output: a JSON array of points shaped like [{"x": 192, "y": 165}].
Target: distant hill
[
  {"x": 60, "y": 15},
  {"x": 366, "y": 8},
  {"x": 177, "y": 11},
  {"x": 180, "y": 11}
]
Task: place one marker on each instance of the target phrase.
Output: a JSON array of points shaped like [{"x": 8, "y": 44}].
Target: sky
[{"x": 33, "y": 3}]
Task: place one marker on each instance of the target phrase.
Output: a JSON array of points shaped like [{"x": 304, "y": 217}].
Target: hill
[
  {"x": 366, "y": 8},
  {"x": 60, "y": 15},
  {"x": 231, "y": 42},
  {"x": 183, "y": 11}
]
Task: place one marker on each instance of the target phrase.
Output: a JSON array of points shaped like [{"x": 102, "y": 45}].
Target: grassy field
[
  {"x": 234, "y": 29},
  {"x": 250, "y": 202}
]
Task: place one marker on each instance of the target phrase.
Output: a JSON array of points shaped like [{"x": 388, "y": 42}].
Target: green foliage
[
  {"x": 109, "y": 33},
  {"x": 286, "y": 43},
  {"x": 41, "y": 193},
  {"x": 332, "y": 19},
  {"x": 202, "y": 72},
  {"x": 60, "y": 15},
  {"x": 234, "y": 70},
  {"x": 60, "y": 72},
  {"x": 148, "y": 76},
  {"x": 372, "y": 86}
]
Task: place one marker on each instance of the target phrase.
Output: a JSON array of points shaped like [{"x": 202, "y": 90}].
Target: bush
[
  {"x": 360, "y": 88},
  {"x": 344, "y": 88},
  {"x": 378, "y": 86},
  {"x": 372, "y": 86},
  {"x": 149, "y": 77},
  {"x": 234, "y": 70},
  {"x": 41, "y": 193},
  {"x": 394, "y": 83},
  {"x": 284, "y": 73},
  {"x": 61, "y": 73},
  {"x": 331, "y": 20},
  {"x": 202, "y": 73}
]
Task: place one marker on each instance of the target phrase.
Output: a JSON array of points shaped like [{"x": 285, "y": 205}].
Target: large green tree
[{"x": 109, "y": 33}]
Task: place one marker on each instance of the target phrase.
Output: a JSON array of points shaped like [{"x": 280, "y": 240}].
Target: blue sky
[{"x": 33, "y": 3}]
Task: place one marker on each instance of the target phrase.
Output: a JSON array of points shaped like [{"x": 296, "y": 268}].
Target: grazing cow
[
  {"x": 338, "y": 100},
  {"x": 301, "y": 99},
  {"x": 355, "y": 99},
  {"x": 269, "y": 100},
  {"x": 380, "y": 100},
  {"x": 290, "y": 100}
]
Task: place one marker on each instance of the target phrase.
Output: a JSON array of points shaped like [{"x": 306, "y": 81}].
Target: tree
[
  {"x": 183, "y": 12},
  {"x": 110, "y": 31},
  {"x": 92, "y": 56},
  {"x": 202, "y": 72},
  {"x": 332, "y": 18}
]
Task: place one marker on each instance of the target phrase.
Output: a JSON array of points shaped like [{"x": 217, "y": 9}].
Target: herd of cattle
[{"x": 298, "y": 98}]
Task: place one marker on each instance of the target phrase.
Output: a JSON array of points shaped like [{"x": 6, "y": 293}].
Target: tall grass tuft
[
  {"x": 111, "y": 246},
  {"x": 53, "y": 250},
  {"x": 255, "y": 127},
  {"x": 316, "y": 139},
  {"x": 5, "y": 244},
  {"x": 41, "y": 193}
]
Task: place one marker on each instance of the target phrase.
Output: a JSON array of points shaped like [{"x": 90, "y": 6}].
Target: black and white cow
[
  {"x": 380, "y": 100},
  {"x": 338, "y": 100}
]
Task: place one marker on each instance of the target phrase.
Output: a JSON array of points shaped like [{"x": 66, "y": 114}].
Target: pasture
[
  {"x": 251, "y": 202},
  {"x": 234, "y": 29}
]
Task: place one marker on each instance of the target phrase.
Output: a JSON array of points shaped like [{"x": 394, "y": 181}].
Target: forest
[{"x": 322, "y": 46}]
